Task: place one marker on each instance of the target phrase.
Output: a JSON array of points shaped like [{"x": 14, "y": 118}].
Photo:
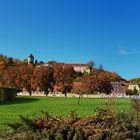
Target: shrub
[
  {"x": 102, "y": 126},
  {"x": 7, "y": 94}
]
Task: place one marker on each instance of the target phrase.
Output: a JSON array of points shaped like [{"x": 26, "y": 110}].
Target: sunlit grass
[{"x": 32, "y": 106}]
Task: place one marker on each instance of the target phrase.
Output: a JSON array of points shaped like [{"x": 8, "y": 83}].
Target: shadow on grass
[{"x": 20, "y": 100}]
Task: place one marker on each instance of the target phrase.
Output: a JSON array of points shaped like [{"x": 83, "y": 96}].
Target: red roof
[{"x": 77, "y": 65}]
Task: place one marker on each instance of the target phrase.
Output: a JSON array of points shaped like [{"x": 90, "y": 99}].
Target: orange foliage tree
[
  {"x": 9, "y": 77},
  {"x": 24, "y": 78},
  {"x": 42, "y": 79},
  {"x": 64, "y": 75},
  {"x": 93, "y": 85}
]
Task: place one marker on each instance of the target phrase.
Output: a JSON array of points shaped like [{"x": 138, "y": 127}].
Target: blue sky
[{"x": 74, "y": 31}]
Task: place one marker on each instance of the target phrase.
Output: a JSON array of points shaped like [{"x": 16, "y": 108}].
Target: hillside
[
  {"x": 135, "y": 80},
  {"x": 9, "y": 61}
]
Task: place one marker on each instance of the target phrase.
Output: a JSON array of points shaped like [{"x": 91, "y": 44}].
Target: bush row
[
  {"x": 7, "y": 94},
  {"x": 103, "y": 125}
]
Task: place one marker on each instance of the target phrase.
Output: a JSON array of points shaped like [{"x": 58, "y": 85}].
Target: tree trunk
[
  {"x": 30, "y": 93},
  {"x": 46, "y": 92},
  {"x": 79, "y": 99},
  {"x": 65, "y": 94}
]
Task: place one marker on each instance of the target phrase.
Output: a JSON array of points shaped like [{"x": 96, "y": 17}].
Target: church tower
[{"x": 30, "y": 59}]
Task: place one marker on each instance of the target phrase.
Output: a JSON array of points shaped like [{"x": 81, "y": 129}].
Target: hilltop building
[
  {"x": 80, "y": 67},
  {"x": 30, "y": 59},
  {"x": 77, "y": 67}
]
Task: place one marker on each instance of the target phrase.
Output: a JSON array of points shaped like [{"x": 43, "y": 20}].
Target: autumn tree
[
  {"x": 3, "y": 66},
  {"x": 104, "y": 84},
  {"x": 42, "y": 79},
  {"x": 3, "y": 63},
  {"x": 9, "y": 76},
  {"x": 88, "y": 85},
  {"x": 53, "y": 63},
  {"x": 64, "y": 75},
  {"x": 67, "y": 79},
  {"x": 79, "y": 89},
  {"x": 10, "y": 61},
  {"x": 6, "y": 62},
  {"x": 135, "y": 80},
  {"x": 24, "y": 78},
  {"x": 112, "y": 76},
  {"x": 58, "y": 69},
  {"x": 19, "y": 63},
  {"x": 95, "y": 84}
]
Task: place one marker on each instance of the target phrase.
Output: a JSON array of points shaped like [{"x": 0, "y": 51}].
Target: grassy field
[{"x": 32, "y": 106}]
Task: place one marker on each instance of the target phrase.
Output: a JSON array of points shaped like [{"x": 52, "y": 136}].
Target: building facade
[
  {"x": 133, "y": 86},
  {"x": 119, "y": 88},
  {"x": 30, "y": 59},
  {"x": 80, "y": 67}
]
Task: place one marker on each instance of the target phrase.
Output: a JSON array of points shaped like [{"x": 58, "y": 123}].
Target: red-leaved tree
[
  {"x": 64, "y": 75},
  {"x": 42, "y": 79}
]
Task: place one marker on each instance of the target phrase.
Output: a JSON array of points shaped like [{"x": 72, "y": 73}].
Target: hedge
[{"x": 7, "y": 94}]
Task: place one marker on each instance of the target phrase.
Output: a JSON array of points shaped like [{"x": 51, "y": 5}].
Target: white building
[
  {"x": 80, "y": 67},
  {"x": 30, "y": 59}
]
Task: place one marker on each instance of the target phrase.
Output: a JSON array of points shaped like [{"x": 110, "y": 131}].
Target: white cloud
[
  {"x": 127, "y": 52},
  {"x": 123, "y": 52}
]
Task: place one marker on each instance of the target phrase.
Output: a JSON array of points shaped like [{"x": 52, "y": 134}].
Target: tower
[{"x": 30, "y": 59}]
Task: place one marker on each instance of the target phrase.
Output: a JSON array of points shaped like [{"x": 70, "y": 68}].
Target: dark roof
[{"x": 31, "y": 56}]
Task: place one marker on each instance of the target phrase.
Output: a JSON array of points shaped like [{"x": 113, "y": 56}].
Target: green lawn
[{"x": 31, "y": 106}]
